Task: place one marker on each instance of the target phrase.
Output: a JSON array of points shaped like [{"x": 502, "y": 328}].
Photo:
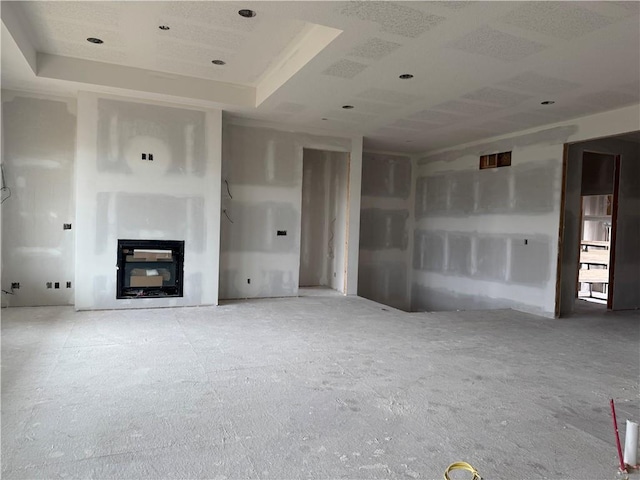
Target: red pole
[{"x": 615, "y": 427}]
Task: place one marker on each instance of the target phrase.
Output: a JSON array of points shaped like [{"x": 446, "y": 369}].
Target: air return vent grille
[{"x": 495, "y": 160}]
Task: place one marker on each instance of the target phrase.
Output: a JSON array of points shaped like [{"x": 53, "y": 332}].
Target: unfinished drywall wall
[
  {"x": 323, "y": 218},
  {"x": 626, "y": 287},
  {"x": 626, "y": 293},
  {"x": 175, "y": 196},
  {"x": 385, "y": 218},
  {"x": 38, "y": 150},
  {"x": 488, "y": 239},
  {"x": 261, "y": 195},
  {"x": 317, "y": 224},
  {"x": 485, "y": 238}
]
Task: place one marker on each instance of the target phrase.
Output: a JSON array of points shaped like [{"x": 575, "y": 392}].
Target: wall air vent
[{"x": 495, "y": 160}]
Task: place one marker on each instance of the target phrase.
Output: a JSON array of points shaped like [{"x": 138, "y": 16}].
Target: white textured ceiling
[
  {"x": 480, "y": 68},
  {"x": 199, "y": 33}
]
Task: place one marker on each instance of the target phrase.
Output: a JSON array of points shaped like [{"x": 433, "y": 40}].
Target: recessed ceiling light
[
  {"x": 218, "y": 62},
  {"x": 547, "y": 102},
  {"x": 405, "y": 76},
  {"x": 348, "y": 107},
  {"x": 94, "y": 40},
  {"x": 246, "y": 13},
  {"x": 164, "y": 27}
]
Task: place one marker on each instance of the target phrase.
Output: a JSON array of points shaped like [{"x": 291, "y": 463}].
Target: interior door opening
[
  {"x": 324, "y": 222},
  {"x": 598, "y": 200},
  {"x": 598, "y": 258},
  {"x": 595, "y": 249}
]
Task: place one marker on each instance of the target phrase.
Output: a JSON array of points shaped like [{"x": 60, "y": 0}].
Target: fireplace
[{"x": 149, "y": 268}]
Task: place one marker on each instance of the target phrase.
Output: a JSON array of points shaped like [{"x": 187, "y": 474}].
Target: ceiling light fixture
[
  {"x": 246, "y": 13},
  {"x": 547, "y": 102},
  {"x": 218, "y": 62},
  {"x": 405, "y": 76},
  {"x": 323, "y": 119},
  {"x": 97, "y": 41},
  {"x": 348, "y": 107},
  {"x": 164, "y": 27}
]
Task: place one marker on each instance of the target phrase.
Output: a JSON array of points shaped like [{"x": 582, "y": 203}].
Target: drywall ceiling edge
[
  {"x": 234, "y": 119},
  {"x": 624, "y": 115},
  {"x": 387, "y": 152},
  {"x": 15, "y": 26},
  {"x": 312, "y": 40},
  {"x": 8, "y": 93},
  {"x": 149, "y": 100},
  {"x": 119, "y": 76}
]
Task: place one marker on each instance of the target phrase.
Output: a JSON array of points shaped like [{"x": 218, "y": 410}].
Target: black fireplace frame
[{"x": 172, "y": 289}]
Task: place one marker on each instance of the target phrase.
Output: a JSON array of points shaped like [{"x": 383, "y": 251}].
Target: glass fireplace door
[{"x": 150, "y": 268}]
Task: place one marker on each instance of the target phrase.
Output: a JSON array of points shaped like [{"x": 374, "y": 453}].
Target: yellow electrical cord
[{"x": 462, "y": 466}]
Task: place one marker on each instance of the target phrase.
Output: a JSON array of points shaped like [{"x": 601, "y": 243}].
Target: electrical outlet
[
  {"x": 56, "y": 285},
  {"x": 526, "y": 241},
  {"x": 150, "y": 157},
  {"x": 68, "y": 284},
  {"x": 49, "y": 285},
  {"x": 282, "y": 233},
  {"x": 249, "y": 281},
  {"x": 66, "y": 226},
  {"x": 15, "y": 285},
  {"x": 144, "y": 156}
]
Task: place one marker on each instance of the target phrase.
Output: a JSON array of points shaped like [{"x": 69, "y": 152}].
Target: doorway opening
[
  {"x": 324, "y": 222},
  {"x": 598, "y": 255},
  {"x": 596, "y": 226}
]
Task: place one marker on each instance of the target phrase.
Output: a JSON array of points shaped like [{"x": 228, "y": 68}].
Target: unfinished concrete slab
[{"x": 312, "y": 387}]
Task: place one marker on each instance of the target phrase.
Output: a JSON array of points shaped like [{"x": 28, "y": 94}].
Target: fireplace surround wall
[{"x": 119, "y": 196}]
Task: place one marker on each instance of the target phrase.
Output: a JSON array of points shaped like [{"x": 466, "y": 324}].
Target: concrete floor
[{"x": 313, "y": 387}]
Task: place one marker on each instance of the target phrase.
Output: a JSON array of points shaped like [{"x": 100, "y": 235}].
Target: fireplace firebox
[{"x": 150, "y": 268}]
